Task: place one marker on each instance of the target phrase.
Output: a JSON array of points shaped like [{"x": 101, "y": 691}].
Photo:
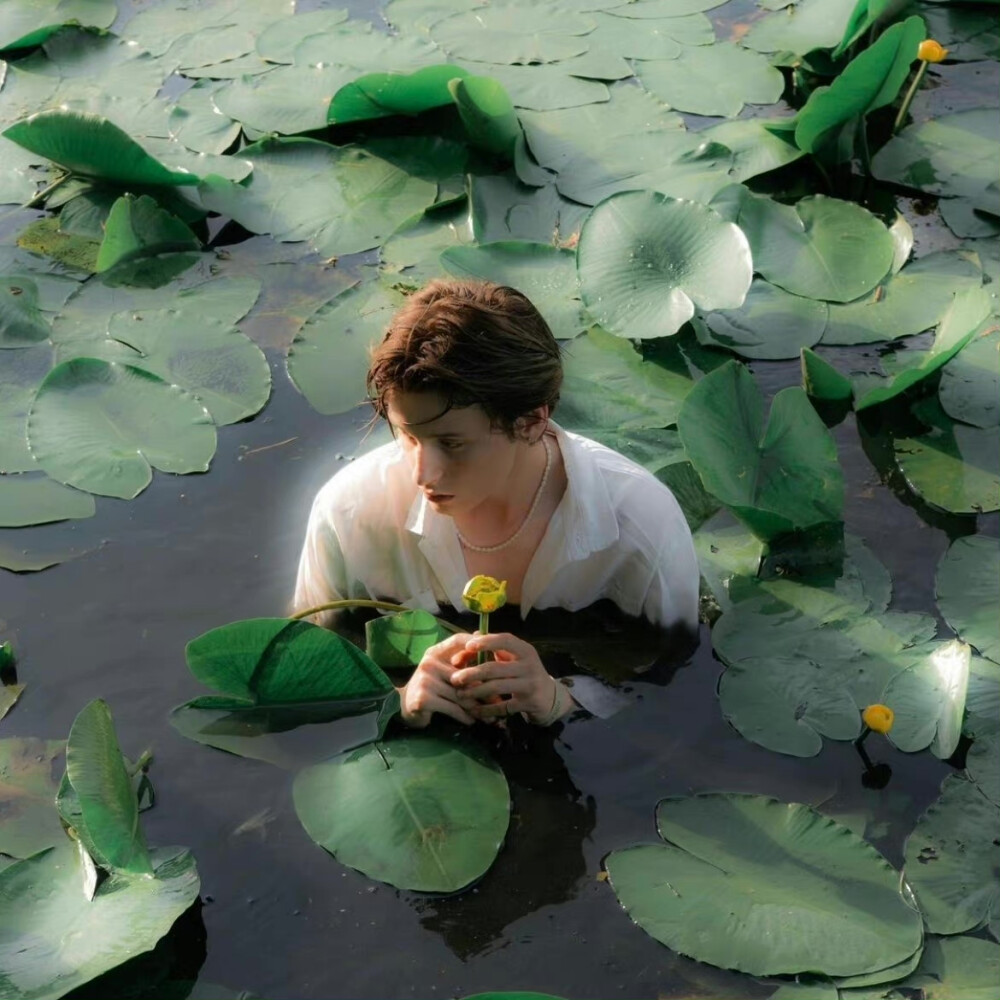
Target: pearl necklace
[{"x": 527, "y": 517}]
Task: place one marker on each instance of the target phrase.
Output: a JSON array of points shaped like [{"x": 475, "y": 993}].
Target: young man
[{"x": 480, "y": 480}]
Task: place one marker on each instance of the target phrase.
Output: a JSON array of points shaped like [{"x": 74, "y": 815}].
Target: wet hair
[{"x": 472, "y": 342}]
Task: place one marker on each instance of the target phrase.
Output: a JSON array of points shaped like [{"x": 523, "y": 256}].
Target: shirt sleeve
[
  {"x": 322, "y": 575},
  {"x": 672, "y": 597}
]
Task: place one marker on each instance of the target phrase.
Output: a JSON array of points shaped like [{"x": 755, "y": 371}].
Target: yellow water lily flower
[
  {"x": 484, "y": 594},
  {"x": 932, "y": 52},
  {"x": 878, "y": 718}
]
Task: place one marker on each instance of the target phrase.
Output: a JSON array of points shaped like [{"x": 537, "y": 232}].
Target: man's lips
[{"x": 438, "y": 497}]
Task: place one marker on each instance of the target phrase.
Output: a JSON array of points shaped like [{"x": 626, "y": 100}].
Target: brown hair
[{"x": 473, "y": 342}]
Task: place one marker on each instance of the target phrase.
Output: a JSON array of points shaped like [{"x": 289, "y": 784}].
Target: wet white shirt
[{"x": 617, "y": 533}]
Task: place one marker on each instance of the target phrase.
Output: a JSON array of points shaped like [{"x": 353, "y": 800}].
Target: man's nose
[{"x": 426, "y": 468}]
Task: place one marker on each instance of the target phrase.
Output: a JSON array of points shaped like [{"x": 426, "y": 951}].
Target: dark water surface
[{"x": 283, "y": 918}]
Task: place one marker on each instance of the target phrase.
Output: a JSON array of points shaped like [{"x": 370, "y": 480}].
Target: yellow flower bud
[
  {"x": 484, "y": 594},
  {"x": 878, "y": 718},
  {"x": 931, "y": 51}
]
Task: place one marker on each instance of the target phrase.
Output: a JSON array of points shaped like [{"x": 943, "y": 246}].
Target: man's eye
[{"x": 451, "y": 445}]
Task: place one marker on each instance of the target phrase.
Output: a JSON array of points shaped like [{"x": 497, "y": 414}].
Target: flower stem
[
  {"x": 862, "y": 737},
  {"x": 380, "y": 605},
  {"x": 905, "y": 106},
  {"x": 484, "y": 627}
]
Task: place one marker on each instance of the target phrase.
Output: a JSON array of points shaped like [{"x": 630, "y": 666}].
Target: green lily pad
[
  {"x": 810, "y": 24},
  {"x": 953, "y": 155},
  {"x": 656, "y": 9},
  {"x": 341, "y": 199},
  {"x": 33, "y": 500},
  {"x": 29, "y": 24},
  {"x": 53, "y": 938},
  {"x": 279, "y": 40},
  {"x": 822, "y": 381},
  {"x": 777, "y": 479},
  {"x": 908, "y": 302},
  {"x": 822, "y": 248},
  {"x": 955, "y": 968},
  {"x": 9, "y": 696},
  {"x": 275, "y": 661},
  {"x": 953, "y": 466},
  {"x": 755, "y": 148},
  {"x": 502, "y": 208},
  {"x": 546, "y": 274},
  {"x": 417, "y": 812},
  {"x": 288, "y": 736},
  {"x": 18, "y": 174},
  {"x": 952, "y": 859},
  {"x": 76, "y": 253},
  {"x": 712, "y": 79},
  {"x": 648, "y": 38},
  {"x": 607, "y": 385},
  {"x": 92, "y": 146},
  {"x": 21, "y": 319},
  {"x": 771, "y": 323},
  {"x": 138, "y": 227},
  {"x": 516, "y": 34},
  {"x": 212, "y": 360},
  {"x": 28, "y": 783},
  {"x": 400, "y": 640},
  {"x": 869, "y": 81},
  {"x": 103, "y": 427},
  {"x": 104, "y": 805},
  {"x": 967, "y": 584},
  {"x": 928, "y": 699},
  {"x": 983, "y": 765},
  {"x": 411, "y": 255},
  {"x": 378, "y": 95},
  {"x": 755, "y": 884},
  {"x": 197, "y": 122},
  {"x": 645, "y": 261},
  {"x": 982, "y": 700},
  {"x": 959, "y": 324},
  {"x": 970, "y": 383},
  {"x": 19, "y": 381},
  {"x": 487, "y": 113},
  {"x": 328, "y": 359}
]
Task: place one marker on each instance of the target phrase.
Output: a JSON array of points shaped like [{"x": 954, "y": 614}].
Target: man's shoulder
[{"x": 378, "y": 475}]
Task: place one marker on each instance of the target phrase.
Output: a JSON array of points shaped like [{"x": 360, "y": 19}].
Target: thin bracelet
[{"x": 555, "y": 709}]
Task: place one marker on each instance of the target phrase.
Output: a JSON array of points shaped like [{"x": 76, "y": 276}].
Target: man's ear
[{"x": 531, "y": 425}]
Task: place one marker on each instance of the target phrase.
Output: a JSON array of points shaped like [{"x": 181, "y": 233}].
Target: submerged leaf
[
  {"x": 28, "y": 499},
  {"x": 28, "y": 785},
  {"x": 417, "y": 812}
]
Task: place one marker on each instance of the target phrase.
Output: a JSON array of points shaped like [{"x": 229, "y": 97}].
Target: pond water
[{"x": 280, "y": 917}]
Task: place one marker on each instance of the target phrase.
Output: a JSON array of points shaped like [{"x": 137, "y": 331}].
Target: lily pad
[
  {"x": 953, "y": 860},
  {"x": 502, "y": 208},
  {"x": 755, "y": 884},
  {"x": 28, "y": 785},
  {"x": 487, "y": 113},
  {"x": 822, "y": 248},
  {"x": 53, "y": 938},
  {"x": 953, "y": 466},
  {"x": 755, "y": 148},
  {"x": 546, "y": 274},
  {"x": 928, "y": 699},
  {"x": 869, "y": 81},
  {"x": 103, "y": 427},
  {"x": 341, "y": 199},
  {"x": 955, "y": 968},
  {"x": 418, "y": 812},
  {"x": 810, "y": 24},
  {"x": 771, "y": 323},
  {"x": 712, "y": 79},
  {"x": 822, "y": 381},
  {"x": 983, "y": 765},
  {"x": 39, "y": 500},
  {"x": 645, "y": 261},
  {"x": 970, "y": 383},
  {"x": 328, "y": 359},
  {"x": 92, "y": 146},
  {"x": 777, "y": 479},
  {"x": 275, "y": 661},
  {"x": 21, "y": 319},
  {"x": 908, "y": 302},
  {"x": 400, "y": 640},
  {"x": 967, "y": 584},
  {"x": 279, "y": 40},
  {"x": 378, "y": 95},
  {"x": 29, "y": 24},
  {"x": 411, "y": 255},
  {"x": 138, "y": 227}
]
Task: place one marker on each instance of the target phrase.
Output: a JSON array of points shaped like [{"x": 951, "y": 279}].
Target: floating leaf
[
  {"x": 955, "y": 968},
  {"x": 103, "y": 427},
  {"x": 810, "y": 24},
  {"x": 983, "y": 765},
  {"x": 967, "y": 584},
  {"x": 970, "y": 383},
  {"x": 487, "y": 113},
  {"x": 501, "y": 208},
  {"x": 33, "y": 500},
  {"x": 754, "y": 884},
  {"x": 104, "y": 804},
  {"x": 953, "y": 859},
  {"x": 822, "y": 248},
  {"x": 53, "y": 938},
  {"x": 869, "y": 81},
  {"x": 329, "y": 357},
  {"x": 28, "y": 785},
  {"x": 645, "y": 261},
  {"x": 29, "y": 24},
  {"x": 544, "y": 273},
  {"x": 92, "y": 146},
  {"x": 21, "y": 320},
  {"x": 906, "y": 303},
  {"x": 755, "y": 148},
  {"x": 410, "y": 257},
  {"x": 342, "y": 200},
  {"x": 777, "y": 479},
  {"x": 275, "y": 661},
  {"x": 279, "y": 40},
  {"x": 400, "y": 640},
  {"x": 418, "y": 812},
  {"x": 822, "y": 381},
  {"x": 138, "y": 227},
  {"x": 377, "y": 95},
  {"x": 712, "y": 79},
  {"x": 771, "y": 323}
]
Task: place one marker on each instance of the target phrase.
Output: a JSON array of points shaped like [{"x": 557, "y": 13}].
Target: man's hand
[
  {"x": 514, "y": 681},
  {"x": 429, "y": 690}
]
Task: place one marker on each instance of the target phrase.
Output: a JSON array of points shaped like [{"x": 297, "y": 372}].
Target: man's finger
[
  {"x": 492, "y": 671},
  {"x": 497, "y": 641}
]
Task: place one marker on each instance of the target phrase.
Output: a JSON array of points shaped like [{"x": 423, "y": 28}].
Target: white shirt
[{"x": 618, "y": 533}]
